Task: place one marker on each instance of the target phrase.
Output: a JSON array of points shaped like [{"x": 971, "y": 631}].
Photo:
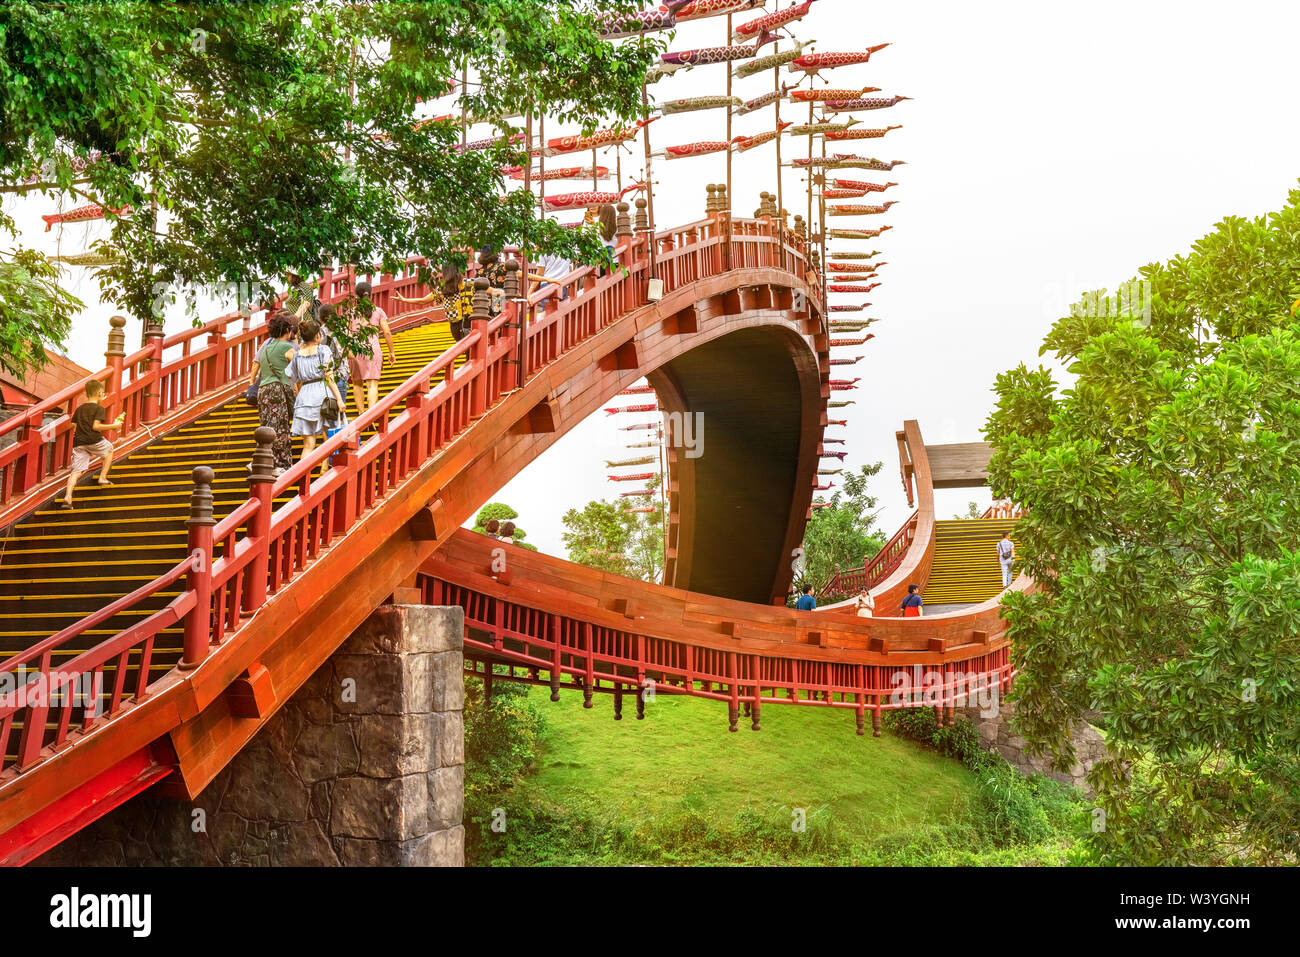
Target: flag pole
[
  {"x": 730, "y": 197},
  {"x": 649, "y": 180},
  {"x": 780, "y": 201}
]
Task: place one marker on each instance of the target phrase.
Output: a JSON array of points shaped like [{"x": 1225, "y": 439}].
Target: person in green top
[
  {"x": 274, "y": 391},
  {"x": 300, "y": 300}
]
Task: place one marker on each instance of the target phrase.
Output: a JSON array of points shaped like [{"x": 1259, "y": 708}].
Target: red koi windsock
[
  {"x": 81, "y": 214},
  {"x": 853, "y": 342},
  {"x": 772, "y": 21},
  {"x": 860, "y": 134},
  {"x": 821, "y": 96},
  {"x": 699, "y": 9},
  {"x": 651, "y": 407},
  {"x": 588, "y": 198},
  {"x": 813, "y": 62},
  {"x": 638, "y": 477},
  {"x": 862, "y": 185}
]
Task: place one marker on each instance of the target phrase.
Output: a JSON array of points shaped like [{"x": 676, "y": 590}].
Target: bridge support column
[{"x": 362, "y": 766}]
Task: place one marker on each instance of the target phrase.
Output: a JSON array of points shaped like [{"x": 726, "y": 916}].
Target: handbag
[
  {"x": 329, "y": 409},
  {"x": 250, "y": 394}
]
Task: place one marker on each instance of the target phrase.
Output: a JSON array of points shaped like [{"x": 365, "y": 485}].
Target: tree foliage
[
  {"x": 502, "y": 513},
  {"x": 843, "y": 534},
  {"x": 1163, "y": 529},
  {"x": 34, "y": 311},
  {"x": 247, "y": 138},
  {"x": 607, "y": 536}
]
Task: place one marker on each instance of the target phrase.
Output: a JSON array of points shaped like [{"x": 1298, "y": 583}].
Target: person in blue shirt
[
  {"x": 912, "y": 603},
  {"x": 806, "y": 601}
]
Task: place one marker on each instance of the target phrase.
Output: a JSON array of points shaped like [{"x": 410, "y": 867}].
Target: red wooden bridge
[{"x": 148, "y": 635}]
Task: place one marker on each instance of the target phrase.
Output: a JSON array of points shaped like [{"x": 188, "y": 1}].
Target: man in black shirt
[{"x": 91, "y": 421}]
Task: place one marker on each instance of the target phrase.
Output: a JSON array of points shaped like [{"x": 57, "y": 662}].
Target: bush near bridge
[
  {"x": 678, "y": 788},
  {"x": 1163, "y": 528}
]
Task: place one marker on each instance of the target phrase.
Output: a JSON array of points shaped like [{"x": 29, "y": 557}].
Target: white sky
[{"x": 1050, "y": 149}]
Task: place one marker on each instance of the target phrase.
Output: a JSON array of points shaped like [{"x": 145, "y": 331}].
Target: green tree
[
  {"x": 609, "y": 536},
  {"x": 1163, "y": 500},
  {"x": 34, "y": 311},
  {"x": 502, "y": 513},
  {"x": 842, "y": 534},
  {"x": 247, "y": 138},
  {"x": 972, "y": 511}
]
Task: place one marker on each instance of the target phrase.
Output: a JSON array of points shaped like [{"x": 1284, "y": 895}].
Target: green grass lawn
[
  {"x": 806, "y": 757},
  {"x": 677, "y": 787}
]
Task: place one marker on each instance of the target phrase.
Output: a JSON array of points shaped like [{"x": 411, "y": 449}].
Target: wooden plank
[{"x": 960, "y": 465}]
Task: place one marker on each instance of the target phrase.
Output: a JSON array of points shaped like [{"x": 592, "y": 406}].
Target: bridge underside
[{"x": 754, "y": 397}]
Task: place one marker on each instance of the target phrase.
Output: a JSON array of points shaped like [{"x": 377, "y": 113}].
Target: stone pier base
[
  {"x": 364, "y": 765},
  {"x": 995, "y": 732}
]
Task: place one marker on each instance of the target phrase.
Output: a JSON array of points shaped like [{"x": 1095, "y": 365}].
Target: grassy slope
[
  {"x": 679, "y": 788},
  {"x": 803, "y": 757}
]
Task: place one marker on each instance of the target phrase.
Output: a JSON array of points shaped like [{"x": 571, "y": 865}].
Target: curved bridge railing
[
  {"x": 235, "y": 565},
  {"x": 595, "y": 632}
]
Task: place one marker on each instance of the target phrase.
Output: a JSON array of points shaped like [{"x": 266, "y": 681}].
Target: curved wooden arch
[{"x": 756, "y": 399}]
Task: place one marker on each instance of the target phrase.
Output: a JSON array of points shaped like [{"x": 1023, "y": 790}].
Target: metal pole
[
  {"x": 821, "y": 206},
  {"x": 649, "y": 182},
  {"x": 541, "y": 161},
  {"x": 730, "y": 196},
  {"x": 809, "y": 220},
  {"x": 780, "y": 201}
]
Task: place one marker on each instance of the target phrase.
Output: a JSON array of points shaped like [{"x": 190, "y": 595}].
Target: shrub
[
  {"x": 1017, "y": 808},
  {"x": 501, "y": 743}
]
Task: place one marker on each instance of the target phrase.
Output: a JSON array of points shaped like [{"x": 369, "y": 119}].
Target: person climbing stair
[{"x": 91, "y": 421}]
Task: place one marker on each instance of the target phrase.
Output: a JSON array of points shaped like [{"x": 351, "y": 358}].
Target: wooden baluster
[
  {"x": 478, "y": 352},
  {"x": 556, "y": 626},
  {"x": 199, "y": 578},
  {"x": 153, "y": 337},
  {"x": 260, "y": 481},
  {"x": 518, "y": 311},
  {"x": 733, "y": 676},
  {"x": 589, "y": 679}
]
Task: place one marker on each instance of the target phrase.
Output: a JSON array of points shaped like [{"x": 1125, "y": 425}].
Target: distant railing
[
  {"x": 875, "y": 569},
  {"x": 521, "y": 628},
  {"x": 1003, "y": 510},
  {"x": 408, "y": 427}
]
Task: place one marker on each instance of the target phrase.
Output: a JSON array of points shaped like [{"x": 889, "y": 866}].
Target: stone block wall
[
  {"x": 364, "y": 765},
  {"x": 996, "y": 732}
]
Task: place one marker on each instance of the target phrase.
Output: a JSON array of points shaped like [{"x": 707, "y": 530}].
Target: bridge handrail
[
  {"x": 645, "y": 632},
  {"x": 278, "y": 543},
  {"x": 875, "y": 568}
]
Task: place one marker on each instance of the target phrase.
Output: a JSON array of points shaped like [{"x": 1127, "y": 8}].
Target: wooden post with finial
[
  {"x": 260, "y": 479},
  {"x": 114, "y": 354},
  {"x": 478, "y": 351},
  {"x": 153, "y": 339},
  {"x": 198, "y": 623},
  {"x": 517, "y": 304}
]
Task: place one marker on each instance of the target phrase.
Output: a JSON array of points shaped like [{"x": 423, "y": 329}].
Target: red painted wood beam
[{"x": 87, "y": 802}]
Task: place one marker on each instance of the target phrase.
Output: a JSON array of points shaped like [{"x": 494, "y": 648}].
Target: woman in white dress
[{"x": 865, "y": 604}]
